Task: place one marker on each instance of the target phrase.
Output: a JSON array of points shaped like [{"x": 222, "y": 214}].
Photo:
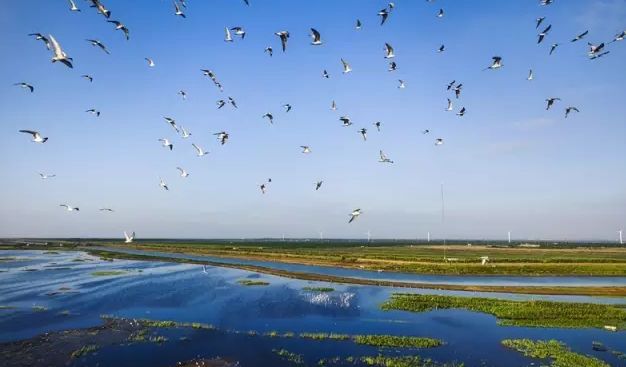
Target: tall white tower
[
  {"x": 509, "y": 236},
  {"x": 428, "y": 236},
  {"x": 621, "y": 241}
]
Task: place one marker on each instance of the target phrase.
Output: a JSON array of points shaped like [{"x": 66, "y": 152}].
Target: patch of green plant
[
  {"x": 139, "y": 336},
  {"x": 289, "y": 356},
  {"x": 6, "y": 307},
  {"x": 158, "y": 323},
  {"x": 51, "y": 252},
  {"x": 517, "y": 313},
  {"x": 556, "y": 351},
  {"x": 158, "y": 339},
  {"x": 403, "y": 361},
  {"x": 397, "y": 341},
  {"x": 40, "y": 308},
  {"x": 318, "y": 289},
  {"x": 107, "y": 273},
  {"x": 84, "y": 350},
  {"x": 324, "y": 336},
  {"x": 248, "y": 282},
  {"x": 65, "y": 313}
]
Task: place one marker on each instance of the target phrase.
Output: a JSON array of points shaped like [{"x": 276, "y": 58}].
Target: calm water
[{"x": 186, "y": 293}]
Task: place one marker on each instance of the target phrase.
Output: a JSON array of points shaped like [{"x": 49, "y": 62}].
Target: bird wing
[
  {"x": 56, "y": 47},
  {"x": 33, "y": 133}
]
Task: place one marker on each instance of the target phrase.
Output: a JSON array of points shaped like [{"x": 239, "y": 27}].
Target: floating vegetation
[
  {"x": 248, "y": 282},
  {"x": 139, "y": 336},
  {"x": 517, "y": 313},
  {"x": 84, "y": 350},
  {"x": 7, "y": 259},
  {"x": 404, "y": 361},
  {"x": 51, "y": 252},
  {"x": 158, "y": 339},
  {"x": 108, "y": 273},
  {"x": 324, "y": 336},
  {"x": 65, "y": 313},
  {"x": 7, "y": 307},
  {"x": 40, "y": 308},
  {"x": 158, "y": 323},
  {"x": 318, "y": 289},
  {"x": 555, "y": 350},
  {"x": 289, "y": 356},
  {"x": 397, "y": 341}
]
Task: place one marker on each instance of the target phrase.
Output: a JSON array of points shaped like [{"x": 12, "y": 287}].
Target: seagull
[
  {"x": 546, "y": 2},
  {"x": 184, "y": 133},
  {"x": 107, "y": 210},
  {"x": 346, "y": 66},
  {"x": 345, "y": 120},
  {"x": 37, "y": 138},
  {"x": 247, "y": 2},
  {"x": 284, "y": 35},
  {"x": 383, "y": 158},
  {"x": 204, "y": 268},
  {"x": 530, "y": 75},
  {"x": 425, "y": 131},
  {"x": 496, "y": 63},
  {"x": 538, "y": 21},
  {"x": 401, "y": 86},
  {"x": 222, "y": 136},
  {"x": 325, "y": 74},
  {"x": 183, "y": 4},
  {"x": 183, "y": 173},
  {"x": 287, "y": 107},
  {"x": 69, "y": 208},
  {"x": 73, "y": 6},
  {"x": 355, "y": 213},
  {"x": 227, "y": 36},
  {"x": 150, "y": 62},
  {"x": 269, "y": 116},
  {"x": 318, "y": 184},
  {"x": 305, "y": 149},
  {"x": 440, "y": 13},
  {"x": 172, "y": 123},
  {"x": 449, "y": 108},
  {"x": 553, "y": 47},
  {"x": 377, "y": 124},
  {"x": 101, "y": 9},
  {"x": 221, "y": 103},
  {"x": 45, "y": 176},
  {"x": 127, "y": 238},
  {"x": 59, "y": 55},
  {"x": 550, "y": 101},
  {"x": 363, "y": 133},
  {"x": 239, "y": 31},
  {"x": 99, "y": 44},
  {"x": 595, "y": 49},
  {"x": 263, "y": 188},
  {"x": 383, "y": 16},
  {"x": 441, "y": 48},
  {"x": 439, "y": 141},
  {"x": 88, "y": 77},
  {"x": 358, "y": 24},
  {"x": 41, "y": 37},
  {"x": 541, "y": 35},
  {"x": 580, "y": 36},
  {"x": 451, "y": 84},
  {"x": 25, "y": 86},
  {"x": 619, "y": 37},
  {"x": 163, "y": 185},
  {"x": 210, "y": 74},
  {"x": 333, "y": 106},
  {"x": 568, "y": 110},
  {"x": 461, "y": 112},
  {"x": 317, "y": 38},
  {"x": 166, "y": 143},
  {"x": 389, "y": 51},
  {"x": 269, "y": 50},
  {"x": 457, "y": 90},
  {"x": 232, "y": 102},
  {"x": 392, "y": 66},
  {"x": 120, "y": 27},
  {"x": 93, "y": 111},
  {"x": 595, "y": 56},
  {"x": 199, "y": 150},
  {"x": 183, "y": 94},
  {"x": 177, "y": 10}
]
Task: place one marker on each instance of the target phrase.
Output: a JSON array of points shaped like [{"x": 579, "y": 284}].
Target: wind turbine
[
  {"x": 369, "y": 235},
  {"x": 428, "y": 237},
  {"x": 321, "y": 236},
  {"x": 509, "y": 236},
  {"x": 621, "y": 241}
]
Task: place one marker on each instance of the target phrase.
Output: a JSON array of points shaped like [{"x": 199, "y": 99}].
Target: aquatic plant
[
  {"x": 555, "y": 350},
  {"x": 318, "y": 289},
  {"x": 65, "y": 313},
  {"x": 397, "y": 341},
  {"x": 40, "y": 308},
  {"x": 6, "y": 307},
  {"x": 106, "y": 273},
  {"x": 404, "y": 361},
  {"x": 158, "y": 339},
  {"x": 248, "y": 282},
  {"x": 517, "y": 313},
  {"x": 324, "y": 336},
  {"x": 289, "y": 356},
  {"x": 138, "y": 336},
  {"x": 84, "y": 350}
]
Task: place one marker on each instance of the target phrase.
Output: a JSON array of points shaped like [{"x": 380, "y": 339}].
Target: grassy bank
[
  {"x": 517, "y": 313},
  {"x": 397, "y": 341},
  {"x": 559, "y": 354},
  {"x": 252, "y": 283}
]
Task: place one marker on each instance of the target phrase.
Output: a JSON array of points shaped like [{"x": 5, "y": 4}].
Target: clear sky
[{"x": 508, "y": 164}]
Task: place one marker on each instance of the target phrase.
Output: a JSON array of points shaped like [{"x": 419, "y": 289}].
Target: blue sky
[{"x": 508, "y": 164}]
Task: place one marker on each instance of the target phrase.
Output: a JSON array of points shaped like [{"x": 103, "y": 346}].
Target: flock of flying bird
[{"x": 595, "y": 51}]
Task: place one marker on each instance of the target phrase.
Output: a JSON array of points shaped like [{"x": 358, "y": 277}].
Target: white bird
[
  {"x": 449, "y": 108},
  {"x": 496, "y": 63},
  {"x": 358, "y": 25},
  {"x": 580, "y": 36},
  {"x": 269, "y": 50},
  {"x": 317, "y": 38},
  {"x": 283, "y": 35},
  {"x": 204, "y": 268},
  {"x": 101, "y": 9},
  {"x": 553, "y": 47},
  {"x": 150, "y": 62},
  {"x": 346, "y": 66},
  {"x": 25, "y": 86},
  {"x": 97, "y": 43},
  {"x": 619, "y": 37},
  {"x": 106, "y": 210},
  {"x": 239, "y": 31},
  {"x": 363, "y": 133},
  {"x": 41, "y": 37},
  {"x": 384, "y": 14},
  {"x": 163, "y": 185},
  {"x": 377, "y": 124},
  {"x": 269, "y": 117},
  {"x": 305, "y": 149},
  {"x": 222, "y": 137},
  {"x": 538, "y": 21},
  {"x": 287, "y": 107},
  {"x": 232, "y": 102},
  {"x": 401, "y": 85},
  {"x": 73, "y": 6},
  {"x": 263, "y": 188},
  {"x": 441, "y": 48},
  {"x": 227, "y": 36},
  {"x": 59, "y": 54},
  {"x": 595, "y": 49},
  {"x": 425, "y": 131},
  {"x": 318, "y": 184},
  {"x": 333, "y": 106},
  {"x": 93, "y": 111},
  {"x": 530, "y": 75},
  {"x": 172, "y": 123},
  {"x": 439, "y": 141},
  {"x": 461, "y": 113},
  {"x": 383, "y": 158},
  {"x": 392, "y": 66},
  {"x": 543, "y": 34},
  {"x": 183, "y": 94},
  {"x": 88, "y": 77},
  {"x": 568, "y": 110},
  {"x": 199, "y": 150},
  {"x": 550, "y": 101},
  {"x": 325, "y": 74},
  {"x": 177, "y": 10},
  {"x": 440, "y": 14},
  {"x": 184, "y": 133},
  {"x": 389, "y": 51},
  {"x": 183, "y": 173},
  {"x": 46, "y": 176},
  {"x": 127, "y": 238},
  {"x": 69, "y": 208},
  {"x": 355, "y": 213},
  {"x": 121, "y": 27},
  {"x": 345, "y": 120},
  {"x": 37, "y": 138},
  {"x": 167, "y": 143}
]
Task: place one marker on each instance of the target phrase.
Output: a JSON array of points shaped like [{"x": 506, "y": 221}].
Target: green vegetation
[
  {"x": 65, "y": 313},
  {"x": 158, "y": 323},
  {"x": 6, "y": 307},
  {"x": 248, "y": 282},
  {"x": 84, "y": 350},
  {"x": 51, "y": 252},
  {"x": 40, "y": 308},
  {"x": 158, "y": 339},
  {"x": 397, "y": 341},
  {"x": 517, "y": 313},
  {"x": 289, "y": 356},
  {"x": 107, "y": 273},
  {"x": 403, "y": 361},
  {"x": 318, "y": 289},
  {"x": 557, "y": 351},
  {"x": 324, "y": 336},
  {"x": 139, "y": 336}
]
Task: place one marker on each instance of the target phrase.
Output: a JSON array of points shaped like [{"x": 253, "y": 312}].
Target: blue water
[{"x": 183, "y": 292}]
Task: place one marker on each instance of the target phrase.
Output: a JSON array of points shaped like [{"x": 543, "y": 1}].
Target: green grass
[
  {"x": 108, "y": 273},
  {"x": 84, "y": 350},
  {"x": 158, "y": 323},
  {"x": 7, "y": 307},
  {"x": 40, "y": 308},
  {"x": 397, "y": 341},
  {"x": 318, "y": 289},
  {"x": 556, "y": 351},
  {"x": 289, "y": 356},
  {"x": 403, "y": 361},
  {"x": 158, "y": 339},
  {"x": 517, "y": 313},
  {"x": 251, "y": 283},
  {"x": 324, "y": 336}
]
